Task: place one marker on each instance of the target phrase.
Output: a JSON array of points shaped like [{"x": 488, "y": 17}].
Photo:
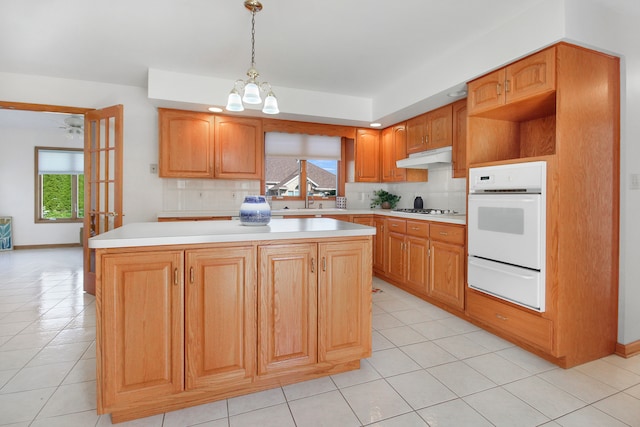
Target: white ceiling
[{"x": 350, "y": 47}]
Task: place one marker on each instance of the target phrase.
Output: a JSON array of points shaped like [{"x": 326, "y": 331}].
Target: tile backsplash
[{"x": 441, "y": 192}]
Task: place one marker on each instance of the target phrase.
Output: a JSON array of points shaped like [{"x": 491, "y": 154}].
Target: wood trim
[
  {"x": 289, "y": 126},
  {"x": 49, "y": 246},
  {"x": 628, "y": 350},
  {"x": 43, "y": 107}
]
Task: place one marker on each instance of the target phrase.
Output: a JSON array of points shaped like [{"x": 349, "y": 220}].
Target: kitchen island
[{"x": 196, "y": 311}]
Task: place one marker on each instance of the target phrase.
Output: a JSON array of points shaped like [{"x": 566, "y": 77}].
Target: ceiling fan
[{"x": 74, "y": 125}]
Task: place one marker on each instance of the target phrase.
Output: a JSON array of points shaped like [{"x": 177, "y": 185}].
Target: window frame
[{"x": 38, "y": 219}]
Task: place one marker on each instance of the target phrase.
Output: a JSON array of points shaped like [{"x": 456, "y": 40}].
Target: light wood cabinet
[
  {"x": 557, "y": 112},
  {"x": 447, "y": 264},
  {"x": 430, "y": 130},
  {"x": 379, "y": 244},
  {"x": 393, "y": 146},
  {"x": 524, "y": 80},
  {"x": 344, "y": 287},
  {"x": 287, "y": 313},
  {"x": 239, "y": 148},
  {"x": 367, "y": 155},
  {"x": 181, "y": 327},
  {"x": 220, "y": 313},
  {"x": 459, "y": 154},
  {"x": 202, "y": 145},
  {"x": 141, "y": 332},
  {"x": 186, "y": 144},
  {"x": 407, "y": 250}
]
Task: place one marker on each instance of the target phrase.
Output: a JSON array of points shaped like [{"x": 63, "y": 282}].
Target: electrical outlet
[
  {"x": 634, "y": 182},
  {"x": 153, "y": 168}
]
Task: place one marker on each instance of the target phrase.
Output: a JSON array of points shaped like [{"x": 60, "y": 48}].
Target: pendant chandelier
[{"x": 251, "y": 88}]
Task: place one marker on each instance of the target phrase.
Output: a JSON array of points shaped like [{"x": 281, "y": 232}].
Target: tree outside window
[{"x": 59, "y": 184}]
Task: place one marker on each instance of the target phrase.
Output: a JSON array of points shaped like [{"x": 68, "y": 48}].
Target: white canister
[{"x": 255, "y": 211}]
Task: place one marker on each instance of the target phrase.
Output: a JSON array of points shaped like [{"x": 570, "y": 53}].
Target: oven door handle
[
  {"x": 522, "y": 276},
  {"x": 511, "y": 198}
]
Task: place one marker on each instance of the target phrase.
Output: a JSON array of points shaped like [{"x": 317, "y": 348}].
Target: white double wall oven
[{"x": 507, "y": 232}]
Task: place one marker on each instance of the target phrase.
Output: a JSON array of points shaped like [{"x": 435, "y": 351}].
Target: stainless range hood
[{"x": 424, "y": 159}]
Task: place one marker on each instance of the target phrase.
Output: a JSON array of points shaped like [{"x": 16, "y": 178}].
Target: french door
[{"x": 103, "y": 181}]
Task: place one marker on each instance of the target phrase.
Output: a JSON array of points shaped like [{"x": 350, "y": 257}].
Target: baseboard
[
  {"x": 628, "y": 350},
  {"x": 53, "y": 246}
]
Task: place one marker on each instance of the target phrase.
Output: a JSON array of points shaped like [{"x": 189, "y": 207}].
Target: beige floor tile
[
  {"x": 326, "y": 409},
  {"x": 375, "y": 401},
  {"x": 455, "y": 413},
  {"x": 503, "y": 409}
]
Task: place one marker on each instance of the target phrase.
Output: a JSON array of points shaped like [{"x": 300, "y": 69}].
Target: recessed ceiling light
[
  {"x": 375, "y": 125},
  {"x": 215, "y": 109},
  {"x": 457, "y": 93}
]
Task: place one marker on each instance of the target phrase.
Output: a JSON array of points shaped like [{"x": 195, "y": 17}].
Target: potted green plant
[{"x": 385, "y": 199}]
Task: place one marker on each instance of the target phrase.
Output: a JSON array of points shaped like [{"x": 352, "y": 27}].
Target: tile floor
[{"x": 428, "y": 368}]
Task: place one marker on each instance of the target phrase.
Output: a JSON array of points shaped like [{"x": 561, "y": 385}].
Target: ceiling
[{"x": 349, "y": 47}]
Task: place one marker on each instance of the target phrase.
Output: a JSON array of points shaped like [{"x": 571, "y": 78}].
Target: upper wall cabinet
[
  {"x": 239, "y": 148},
  {"x": 186, "y": 144},
  {"x": 529, "y": 79},
  {"x": 430, "y": 130},
  {"x": 393, "y": 147},
  {"x": 202, "y": 145},
  {"x": 459, "y": 155},
  {"x": 367, "y": 155}
]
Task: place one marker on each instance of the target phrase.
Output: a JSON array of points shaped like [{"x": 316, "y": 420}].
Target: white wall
[
  {"x": 17, "y": 186},
  {"x": 605, "y": 29}
]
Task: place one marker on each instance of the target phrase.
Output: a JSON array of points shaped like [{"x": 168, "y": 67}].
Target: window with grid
[{"x": 59, "y": 184}]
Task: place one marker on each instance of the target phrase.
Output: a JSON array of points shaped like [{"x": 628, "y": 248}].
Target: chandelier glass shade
[{"x": 248, "y": 91}]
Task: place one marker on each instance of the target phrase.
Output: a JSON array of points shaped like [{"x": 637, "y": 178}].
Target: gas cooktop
[{"x": 428, "y": 211}]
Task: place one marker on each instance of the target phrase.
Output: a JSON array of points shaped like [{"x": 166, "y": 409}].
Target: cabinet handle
[
  {"x": 501, "y": 317},
  {"x": 324, "y": 264},
  {"x": 191, "y": 275},
  {"x": 444, "y": 233},
  {"x": 175, "y": 276},
  {"x": 415, "y": 228},
  {"x": 498, "y": 89},
  {"x": 313, "y": 265},
  {"x": 506, "y": 86}
]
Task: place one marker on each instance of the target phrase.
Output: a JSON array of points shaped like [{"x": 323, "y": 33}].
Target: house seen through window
[
  {"x": 298, "y": 165},
  {"x": 59, "y": 184}
]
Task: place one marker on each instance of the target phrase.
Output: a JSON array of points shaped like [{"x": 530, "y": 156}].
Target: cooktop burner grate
[{"x": 427, "y": 211}]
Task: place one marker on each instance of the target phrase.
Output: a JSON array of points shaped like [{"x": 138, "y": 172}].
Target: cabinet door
[
  {"x": 440, "y": 128},
  {"x": 239, "y": 148},
  {"x": 417, "y": 253},
  {"x": 287, "y": 309},
  {"x": 186, "y": 144},
  {"x": 344, "y": 300},
  {"x": 142, "y": 327},
  {"x": 387, "y": 155},
  {"x": 379, "y": 244},
  {"x": 446, "y": 282},
  {"x": 487, "y": 92},
  {"x": 531, "y": 76},
  {"x": 459, "y": 154},
  {"x": 367, "y": 155},
  {"x": 417, "y": 131},
  {"x": 395, "y": 261},
  {"x": 220, "y": 316}
]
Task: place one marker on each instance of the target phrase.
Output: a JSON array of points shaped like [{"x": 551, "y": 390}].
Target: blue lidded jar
[{"x": 255, "y": 211}]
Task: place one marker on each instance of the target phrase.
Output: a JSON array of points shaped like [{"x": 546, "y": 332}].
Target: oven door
[{"x": 508, "y": 228}]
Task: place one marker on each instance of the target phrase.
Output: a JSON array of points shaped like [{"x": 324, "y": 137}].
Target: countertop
[
  {"x": 220, "y": 231},
  {"x": 452, "y": 219}
]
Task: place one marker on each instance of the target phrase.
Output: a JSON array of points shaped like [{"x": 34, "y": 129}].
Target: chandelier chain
[{"x": 253, "y": 38}]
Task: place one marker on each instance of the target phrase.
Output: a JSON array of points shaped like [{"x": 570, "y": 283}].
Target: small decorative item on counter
[
  {"x": 255, "y": 211},
  {"x": 385, "y": 199},
  {"x": 341, "y": 202}
]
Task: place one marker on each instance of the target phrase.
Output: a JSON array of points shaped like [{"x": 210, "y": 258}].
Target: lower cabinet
[
  {"x": 427, "y": 259},
  {"x": 178, "y": 328},
  {"x": 447, "y": 265}
]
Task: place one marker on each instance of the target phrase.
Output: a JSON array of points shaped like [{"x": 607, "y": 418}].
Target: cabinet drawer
[
  {"x": 397, "y": 225},
  {"x": 418, "y": 228},
  {"x": 518, "y": 323},
  {"x": 447, "y": 233}
]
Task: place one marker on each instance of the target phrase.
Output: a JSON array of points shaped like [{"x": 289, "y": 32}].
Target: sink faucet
[{"x": 309, "y": 201}]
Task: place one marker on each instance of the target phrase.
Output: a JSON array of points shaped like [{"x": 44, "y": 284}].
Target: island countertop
[{"x": 194, "y": 232}]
